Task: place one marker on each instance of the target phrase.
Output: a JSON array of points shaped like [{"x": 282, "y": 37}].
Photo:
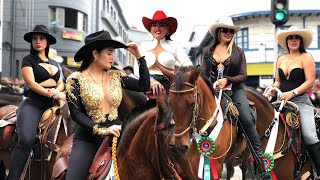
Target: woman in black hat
[
  {"x": 42, "y": 77},
  {"x": 94, "y": 93}
]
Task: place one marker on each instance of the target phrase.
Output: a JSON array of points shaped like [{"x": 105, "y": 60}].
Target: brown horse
[
  {"x": 10, "y": 99},
  {"x": 36, "y": 173},
  {"x": 143, "y": 153},
  {"x": 284, "y": 167},
  {"x": 193, "y": 104},
  {"x": 10, "y": 103}
]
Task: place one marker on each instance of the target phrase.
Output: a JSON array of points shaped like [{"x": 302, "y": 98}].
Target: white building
[{"x": 257, "y": 39}]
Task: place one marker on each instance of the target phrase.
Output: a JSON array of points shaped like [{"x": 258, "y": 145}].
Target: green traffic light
[{"x": 280, "y": 14}]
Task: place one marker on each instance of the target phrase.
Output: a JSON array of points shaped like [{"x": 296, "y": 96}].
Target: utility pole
[
  {"x": 275, "y": 49},
  {"x": 1, "y": 32}
]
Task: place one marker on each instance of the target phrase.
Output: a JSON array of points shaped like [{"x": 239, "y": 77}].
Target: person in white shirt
[
  {"x": 129, "y": 71},
  {"x": 161, "y": 50}
]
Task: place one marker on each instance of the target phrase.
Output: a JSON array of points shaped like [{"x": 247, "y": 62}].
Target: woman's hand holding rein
[{"x": 113, "y": 130}]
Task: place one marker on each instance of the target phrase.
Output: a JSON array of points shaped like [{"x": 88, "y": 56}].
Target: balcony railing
[{"x": 106, "y": 17}]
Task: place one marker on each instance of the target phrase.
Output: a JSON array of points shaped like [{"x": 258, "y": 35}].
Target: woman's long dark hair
[
  {"x": 87, "y": 60},
  {"x": 301, "y": 47},
  {"x": 168, "y": 37}
]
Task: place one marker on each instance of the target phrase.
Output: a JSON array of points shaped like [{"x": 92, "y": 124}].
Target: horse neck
[
  {"x": 207, "y": 100},
  {"x": 139, "y": 132}
]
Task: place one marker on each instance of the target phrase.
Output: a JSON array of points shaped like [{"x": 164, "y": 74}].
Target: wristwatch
[{"x": 295, "y": 92}]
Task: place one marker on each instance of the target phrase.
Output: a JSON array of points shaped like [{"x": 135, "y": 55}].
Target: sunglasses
[
  {"x": 294, "y": 37},
  {"x": 161, "y": 24},
  {"x": 226, "y": 30}
]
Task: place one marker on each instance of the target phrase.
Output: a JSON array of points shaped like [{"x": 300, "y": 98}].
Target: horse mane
[
  {"x": 180, "y": 80},
  {"x": 130, "y": 129},
  {"x": 162, "y": 111}
]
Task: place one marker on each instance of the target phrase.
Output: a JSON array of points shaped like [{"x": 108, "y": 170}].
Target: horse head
[{"x": 189, "y": 95}]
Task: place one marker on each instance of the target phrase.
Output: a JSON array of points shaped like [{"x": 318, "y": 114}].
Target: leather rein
[{"x": 167, "y": 168}]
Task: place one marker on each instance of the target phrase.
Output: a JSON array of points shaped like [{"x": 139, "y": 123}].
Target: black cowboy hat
[
  {"x": 40, "y": 29},
  {"x": 96, "y": 41}
]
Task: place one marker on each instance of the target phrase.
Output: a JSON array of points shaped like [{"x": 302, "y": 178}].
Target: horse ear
[
  {"x": 166, "y": 72},
  {"x": 194, "y": 74}
]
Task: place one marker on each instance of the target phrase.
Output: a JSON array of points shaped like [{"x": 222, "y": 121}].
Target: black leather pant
[
  {"x": 28, "y": 116},
  {"x": 85, "y": 147},
  {"x": 247, "y": 120}
]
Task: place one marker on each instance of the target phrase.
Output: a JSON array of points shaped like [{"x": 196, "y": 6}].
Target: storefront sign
[
  {"x": 72, "y": 35},
  {"x": 72, "y": 63}
]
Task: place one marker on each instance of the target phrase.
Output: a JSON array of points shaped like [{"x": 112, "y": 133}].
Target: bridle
[
  {"x": 167, "y": 168},
  {"x": 196, "y": 109},
  {"x": 195, "y": 112}
]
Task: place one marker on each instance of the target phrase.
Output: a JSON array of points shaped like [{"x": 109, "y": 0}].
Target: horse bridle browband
[{"x": 196, "y": 108}]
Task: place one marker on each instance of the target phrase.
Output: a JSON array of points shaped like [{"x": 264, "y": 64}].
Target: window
[
  {"x": 70, "y": 18},
  {"x": 318, "y": 36},
  {"x": 105, "y": 5},
  {"x": 111, "y": 11},
  {"x": 114, "y": 15},
  {"x": 120, "y": 29},
  {"x": 242, "y": 38}
]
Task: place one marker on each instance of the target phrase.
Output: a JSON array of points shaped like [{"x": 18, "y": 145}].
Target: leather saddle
[
  {"x": 99, "y": 168},
  {"x": 47, "y": 120},
  {"x": 7, "y": 127}
]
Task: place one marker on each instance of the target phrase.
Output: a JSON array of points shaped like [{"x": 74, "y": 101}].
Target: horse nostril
[
  {"x": 172, "y": 148},
  {"x": 183, "y": 149}
]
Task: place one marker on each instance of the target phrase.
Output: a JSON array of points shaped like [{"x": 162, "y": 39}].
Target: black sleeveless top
[
  {"x": 295, "y": 79},
  {"x": 40, "y": 73}
]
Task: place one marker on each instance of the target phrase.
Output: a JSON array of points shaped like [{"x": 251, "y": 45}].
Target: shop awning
[{"x": 258, "y": 69}]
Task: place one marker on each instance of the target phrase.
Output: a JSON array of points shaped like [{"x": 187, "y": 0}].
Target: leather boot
[
  {"x": 314, "y": 152},
  {"x": 261, "y": 173},
  {"x": 255, "y": 142}
]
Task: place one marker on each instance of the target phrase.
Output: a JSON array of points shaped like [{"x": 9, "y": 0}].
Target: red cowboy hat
[{"x": 160, "y": 16}]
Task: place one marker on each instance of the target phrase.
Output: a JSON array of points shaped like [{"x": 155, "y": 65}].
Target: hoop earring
[{"x": 167, "y": 34}]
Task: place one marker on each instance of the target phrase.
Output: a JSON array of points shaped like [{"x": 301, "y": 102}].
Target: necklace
[
  {"x": 294, "y": 56},
  {"x": 99, "y": 84}
]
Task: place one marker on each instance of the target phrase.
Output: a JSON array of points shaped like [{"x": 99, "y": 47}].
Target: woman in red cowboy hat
[
  {"x": 94, "y": 93},
  {"x": 225, "y": 64},
  {"x": 42, "y": 76},
  {"x": 162, "y": 49},
  {"x": 295, "y": 75}
]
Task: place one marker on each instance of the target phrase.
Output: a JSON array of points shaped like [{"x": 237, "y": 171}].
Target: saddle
[
  {"x": 100, "y": 164},
  {"x": 101, "y": 161},
  {"x": 7, "y": 127},
  {"x": 47, "y": 120}
]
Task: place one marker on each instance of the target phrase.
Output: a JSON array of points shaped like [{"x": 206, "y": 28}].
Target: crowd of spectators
[{"x": 13, "y": 86}]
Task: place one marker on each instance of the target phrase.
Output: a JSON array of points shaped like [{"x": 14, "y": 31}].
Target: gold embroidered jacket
[{"x": 84, "y": 96}]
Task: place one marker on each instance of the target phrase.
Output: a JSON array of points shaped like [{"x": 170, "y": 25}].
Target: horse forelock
[{"x": 180, "y": 76}]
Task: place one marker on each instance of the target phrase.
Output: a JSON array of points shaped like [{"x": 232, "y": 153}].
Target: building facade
[
  {"x": 257, "y": 39},
  {"x": 69, "y": 21}
]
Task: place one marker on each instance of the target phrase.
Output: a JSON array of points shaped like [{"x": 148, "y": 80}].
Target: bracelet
[
  {"x": 95, "y": 129},
  {"x": 98, "y": 130},
  {"x": 140, "y": 58}
]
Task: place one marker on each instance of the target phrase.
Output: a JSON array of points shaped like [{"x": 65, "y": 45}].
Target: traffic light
[{"x": 279, "y": 12}]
